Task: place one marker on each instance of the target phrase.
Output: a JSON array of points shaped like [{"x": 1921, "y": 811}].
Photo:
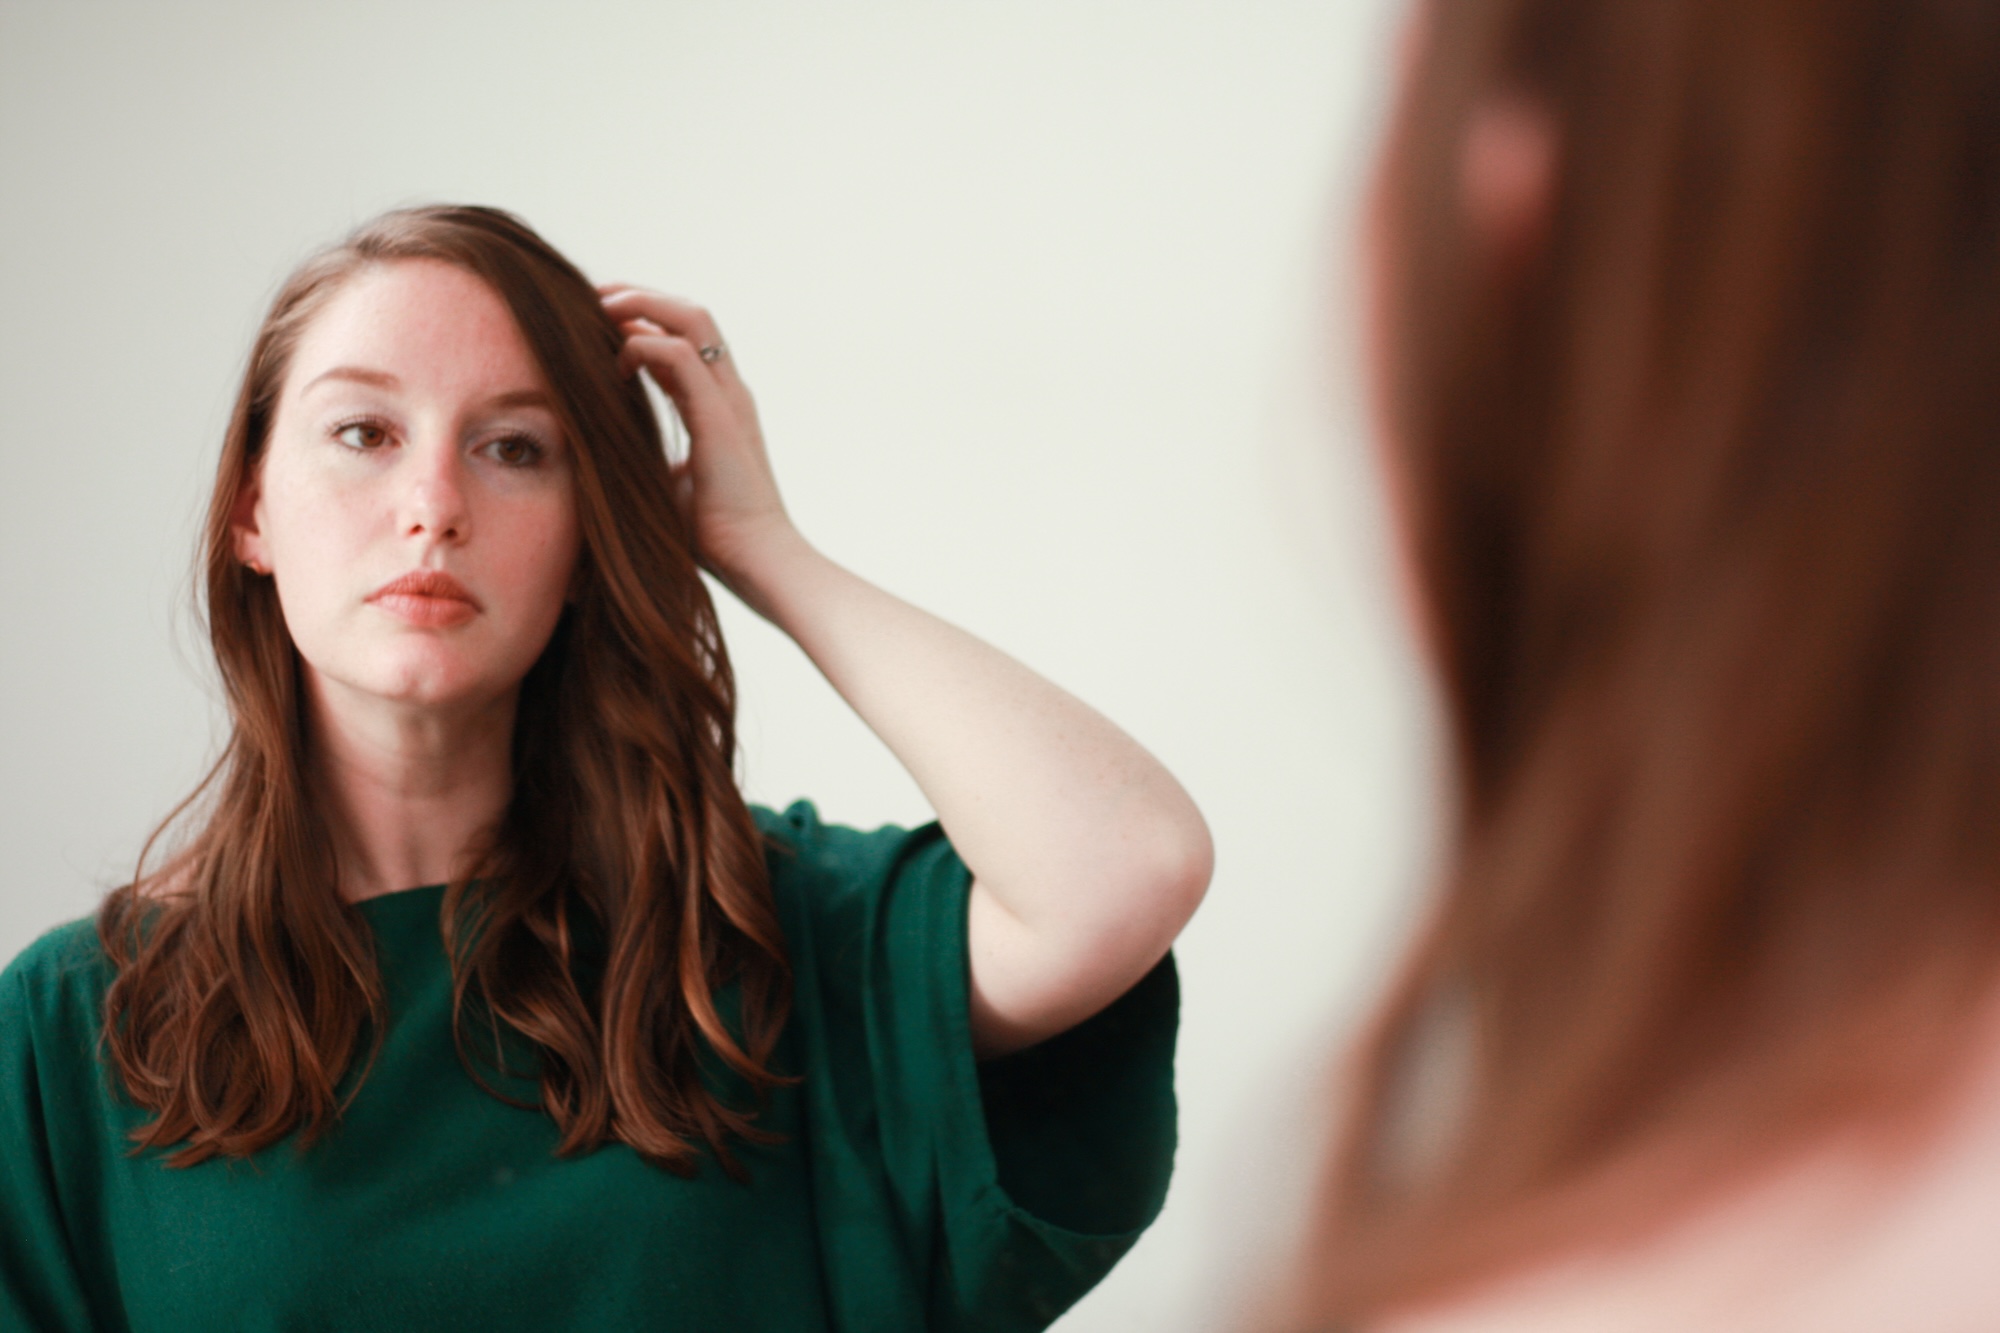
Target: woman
[
  {"x": 473, "y": 995},
  {"x": 1688, "y": 318}
]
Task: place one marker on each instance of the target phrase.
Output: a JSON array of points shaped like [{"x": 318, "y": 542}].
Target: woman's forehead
[{"x": 417, "y": 325}]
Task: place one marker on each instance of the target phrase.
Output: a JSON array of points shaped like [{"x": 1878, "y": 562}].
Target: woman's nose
[{"x": 434, "y": 494}]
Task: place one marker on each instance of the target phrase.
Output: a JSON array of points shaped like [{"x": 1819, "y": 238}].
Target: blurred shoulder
[{"x": 1861, "y": 1233}]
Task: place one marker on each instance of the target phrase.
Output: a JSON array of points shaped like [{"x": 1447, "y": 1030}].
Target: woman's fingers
[
  {"x": 725, "y": 482},
  {"x": 633, "y": 327},
  {"x": 682, "y": 319},
  {"x": 676, "y": 365}
]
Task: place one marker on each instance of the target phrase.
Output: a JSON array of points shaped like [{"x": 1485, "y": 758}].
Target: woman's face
[{"x": 415, "y": 502}]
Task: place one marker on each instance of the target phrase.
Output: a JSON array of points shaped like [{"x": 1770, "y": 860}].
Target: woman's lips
[{"x": 429, "y": 598}]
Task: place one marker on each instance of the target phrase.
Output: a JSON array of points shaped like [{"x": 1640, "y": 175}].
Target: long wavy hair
[
  {"x": 1702, "y": 492},
  {"x": 626, "y": 886}
]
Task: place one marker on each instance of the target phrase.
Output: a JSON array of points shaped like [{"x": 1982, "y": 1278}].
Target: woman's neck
[{"x": 415, "y": 790}]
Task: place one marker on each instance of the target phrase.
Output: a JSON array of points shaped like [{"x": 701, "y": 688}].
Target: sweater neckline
[{"x": 398, "y": 901}]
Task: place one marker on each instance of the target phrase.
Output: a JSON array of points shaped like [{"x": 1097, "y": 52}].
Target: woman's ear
[
  {"x": 246, "y": 523},
  {"x": 1507, "y": 176}
]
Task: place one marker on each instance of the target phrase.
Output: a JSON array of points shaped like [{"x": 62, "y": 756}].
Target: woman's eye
[
  {"x": 515, "y": 451},
  {"x": 362, "y": 435}
]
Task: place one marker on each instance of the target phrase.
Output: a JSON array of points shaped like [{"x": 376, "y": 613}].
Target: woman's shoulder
[
  {"x": 57, "y": 980},
  {"x": 797, "y": 831},
  {"x": 850, "y": 899},
  {"x": 819, "y": 862},
  {"x": 65, "y": 952}
]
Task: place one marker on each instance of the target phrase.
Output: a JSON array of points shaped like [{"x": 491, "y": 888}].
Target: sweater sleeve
[
  {"x": 1006, "y": 1190},
  {"x": 41, "y": 1285}
]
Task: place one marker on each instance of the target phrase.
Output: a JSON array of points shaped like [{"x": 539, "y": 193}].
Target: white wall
[{"x": 1047, "y": 307}]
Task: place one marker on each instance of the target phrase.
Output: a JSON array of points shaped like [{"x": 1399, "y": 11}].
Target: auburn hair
[
  {"x": 625, "y": 887},
  {"x": 1702, "y": 495}
]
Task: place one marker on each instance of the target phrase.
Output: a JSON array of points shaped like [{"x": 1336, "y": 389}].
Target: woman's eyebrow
[
  {"x": 520, "y": 398},
  {"x": 381, "y": 379}
]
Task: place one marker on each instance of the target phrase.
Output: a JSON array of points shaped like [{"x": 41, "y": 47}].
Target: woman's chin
[{"x": 443, "y": 681}]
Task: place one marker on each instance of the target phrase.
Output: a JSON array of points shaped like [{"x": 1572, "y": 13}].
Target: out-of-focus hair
[
  {"x": 1703, "y": 499},
  {"x": 626, "y": 885}
]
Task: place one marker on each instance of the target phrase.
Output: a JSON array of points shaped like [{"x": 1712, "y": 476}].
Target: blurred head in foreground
[{"x": 1687, "y": 322}]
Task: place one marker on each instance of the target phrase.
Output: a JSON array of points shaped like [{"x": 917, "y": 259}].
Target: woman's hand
[
  {"x": 725, "y": 484},
  {"x": 1086, "y": 855}
]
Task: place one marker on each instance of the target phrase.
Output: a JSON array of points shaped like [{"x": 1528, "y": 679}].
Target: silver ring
[{"x": 713, "y": 352}]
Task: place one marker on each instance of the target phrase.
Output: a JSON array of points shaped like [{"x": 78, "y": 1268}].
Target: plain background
[{"x": 1049, "y": 311}]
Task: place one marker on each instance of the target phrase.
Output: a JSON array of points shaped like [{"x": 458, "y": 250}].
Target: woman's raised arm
[{"x": 1087, "y": 857}]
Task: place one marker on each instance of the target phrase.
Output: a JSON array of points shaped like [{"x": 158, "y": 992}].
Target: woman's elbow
[
  {"x": 1172, "y": 862},
  {"x": 1186, "y": 877}
]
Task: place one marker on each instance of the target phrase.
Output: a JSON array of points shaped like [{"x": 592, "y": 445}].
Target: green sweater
[{"x": 913, "y": 1189}]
